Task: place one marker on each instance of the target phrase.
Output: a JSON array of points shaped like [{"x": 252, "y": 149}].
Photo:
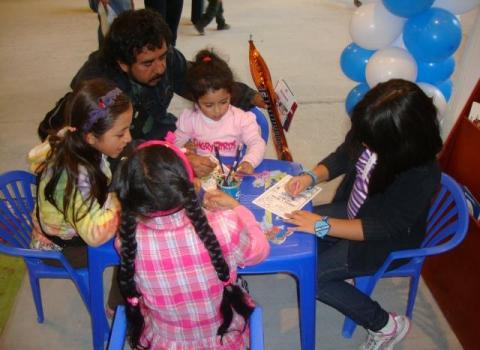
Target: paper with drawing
[{"x": 279, "y": 202}]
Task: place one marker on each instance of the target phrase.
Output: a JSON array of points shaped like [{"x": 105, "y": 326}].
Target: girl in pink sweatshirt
[
  {"x": 179, "y": 261},
  {"x": 213, "y": 122}
]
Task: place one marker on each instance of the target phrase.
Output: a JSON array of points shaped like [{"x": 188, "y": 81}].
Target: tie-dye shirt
[{"x": 95, "y": 228}]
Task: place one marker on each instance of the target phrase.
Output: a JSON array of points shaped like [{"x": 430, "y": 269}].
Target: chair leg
[
  {"x": 412, "y": 295},
  {"x": 349, "y": 327},
  {"x": 100, "y": 327},
  {"x": 37, "y": 296}
]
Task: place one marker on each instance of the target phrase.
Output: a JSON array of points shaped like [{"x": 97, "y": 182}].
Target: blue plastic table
[{"x": 296, "y": 256}]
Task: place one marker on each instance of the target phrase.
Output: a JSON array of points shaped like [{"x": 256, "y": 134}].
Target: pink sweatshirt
[{"x": 236, "y": 128}]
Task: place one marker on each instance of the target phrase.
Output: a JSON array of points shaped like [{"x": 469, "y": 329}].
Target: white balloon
[
  {"x": 457, "y": 7},
  {"x": 389, "y": 63},
  {"x": 438, "y": 99},
  {"x": 373, "y": 27}
]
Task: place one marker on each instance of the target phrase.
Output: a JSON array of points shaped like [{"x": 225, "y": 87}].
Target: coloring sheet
[{"x": 277, "y": 201}]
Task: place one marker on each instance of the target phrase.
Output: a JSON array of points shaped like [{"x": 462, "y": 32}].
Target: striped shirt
[{"x": 365, "y": 164}]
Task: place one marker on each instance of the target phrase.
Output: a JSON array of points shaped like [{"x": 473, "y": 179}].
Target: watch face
[{"x": 322, "y": 227}]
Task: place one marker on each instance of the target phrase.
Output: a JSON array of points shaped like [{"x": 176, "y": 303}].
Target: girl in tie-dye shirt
[{"x": 74, "y": 205}]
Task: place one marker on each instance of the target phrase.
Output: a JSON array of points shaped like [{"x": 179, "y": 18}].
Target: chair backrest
[
  {"x": 17, "y": 200},
  {"x": 262, "y": 122},
  {"x": 447, "y": 222},
  {"x": 119, "y": 330}
]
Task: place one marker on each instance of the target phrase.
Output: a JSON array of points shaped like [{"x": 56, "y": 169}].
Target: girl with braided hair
[{"x": 179, "y": 261}]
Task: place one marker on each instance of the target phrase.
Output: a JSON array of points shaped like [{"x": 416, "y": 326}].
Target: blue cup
[{"x": 232, "y": 189}]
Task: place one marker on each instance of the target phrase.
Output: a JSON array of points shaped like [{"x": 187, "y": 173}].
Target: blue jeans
[{"x": 332, "y": 271}]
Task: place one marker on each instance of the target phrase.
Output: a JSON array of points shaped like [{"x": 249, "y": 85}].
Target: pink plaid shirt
[{"x": 180, "y": 288}]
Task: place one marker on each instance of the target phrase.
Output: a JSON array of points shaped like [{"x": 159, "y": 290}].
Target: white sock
[{"x": 390, "y": 326}]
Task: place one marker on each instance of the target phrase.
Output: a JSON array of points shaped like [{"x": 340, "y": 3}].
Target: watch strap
[{"x": 322, "y": 227}]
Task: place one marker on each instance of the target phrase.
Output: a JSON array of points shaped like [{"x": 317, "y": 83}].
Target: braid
[
  {"x": 206, "y": 235},
  {"x": 233, "y": 296},
  {"x": 126, "y": 274}
]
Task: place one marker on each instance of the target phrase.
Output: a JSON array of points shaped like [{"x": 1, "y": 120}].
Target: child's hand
[
  {"x": 245, "y": 167},
  {"x": 197, "y": 184},
  {"x": 218, "y": 200},
  {"x": 201, "y": 165},
  {"x": 190, "y": 147},
  {"x": 297, "y": 184},
  {"x": 61, "y": 133}
]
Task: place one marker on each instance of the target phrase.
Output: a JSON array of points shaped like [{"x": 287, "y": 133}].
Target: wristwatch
[
  {"x": 312, "y": 175},
  {"x": 322, "y": 227}
]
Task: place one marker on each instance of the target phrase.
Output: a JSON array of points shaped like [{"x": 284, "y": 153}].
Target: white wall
[{"x": 466, "y": 75}]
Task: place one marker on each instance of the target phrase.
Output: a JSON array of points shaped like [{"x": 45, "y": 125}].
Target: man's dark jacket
[{"x": 150, "y": 104}]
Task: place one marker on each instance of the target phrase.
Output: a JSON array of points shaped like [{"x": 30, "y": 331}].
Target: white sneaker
[{"x": 381, "y": 341}]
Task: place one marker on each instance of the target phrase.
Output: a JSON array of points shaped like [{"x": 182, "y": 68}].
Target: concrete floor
[{"x": 44, "y": 42}]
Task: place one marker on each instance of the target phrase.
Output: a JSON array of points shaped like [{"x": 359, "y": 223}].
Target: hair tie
[
  {"x": 207, "y": 59},
  {"x": 230, "y": 281},
  {"x": 133, "y": 301},
  {"x": 101, "y": 110}
]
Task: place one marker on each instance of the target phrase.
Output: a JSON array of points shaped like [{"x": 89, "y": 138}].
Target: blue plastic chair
[
  {"x": 447, "y": 226},
  {"x": 119, "y": 330},
  {"x": 256, "y": 329},
  {"x": 17, "y": 201},
  {"x": 99, "y": 258},
  {"x": 262, "y": 122}
]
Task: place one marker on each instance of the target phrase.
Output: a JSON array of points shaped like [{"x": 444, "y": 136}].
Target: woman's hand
[
  {"x": 303, "y": 220},
  {"x": 218, "y": 200},
  {"x": 298, "y": 184},
  {"x": 245, "y": 167}
]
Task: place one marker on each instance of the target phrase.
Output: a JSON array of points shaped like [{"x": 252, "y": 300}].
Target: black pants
[
  {"x": 77, "y": 257},
  {"x": 214, "y": 9},
  {"x": 171, "y": 10},
  {"x": 332, "y": 271}
]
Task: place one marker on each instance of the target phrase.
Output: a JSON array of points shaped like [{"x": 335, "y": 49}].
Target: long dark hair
[
  {"x": 154, "y": 179},
  {"x": 398, "y": 122},
  {"x": 207, "y": 73},
  {"x": 71, "y": 151}
]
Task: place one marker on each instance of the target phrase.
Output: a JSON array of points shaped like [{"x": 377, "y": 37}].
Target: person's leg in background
[
  {"x": 117, "y": 6},
  {"x": 197, "y": 10},
  {"x": 210, "y": 13},
  {"x": 221, "y": 24},
  {"x": 171, "y": 10}
]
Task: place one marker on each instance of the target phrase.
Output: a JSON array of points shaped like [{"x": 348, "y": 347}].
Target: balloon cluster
[{"x": 409, "y": 39}]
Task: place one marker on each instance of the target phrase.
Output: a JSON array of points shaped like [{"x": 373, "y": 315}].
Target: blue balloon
[
  {"x": 433, "y": 35},
  {"x": 354, "y": 60},
  {"x": 407, "y": 8},
  {"x": 446, "y": 88},
  {"x": 435, "y": 72},
  {"x": 354, "y": 96}
]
